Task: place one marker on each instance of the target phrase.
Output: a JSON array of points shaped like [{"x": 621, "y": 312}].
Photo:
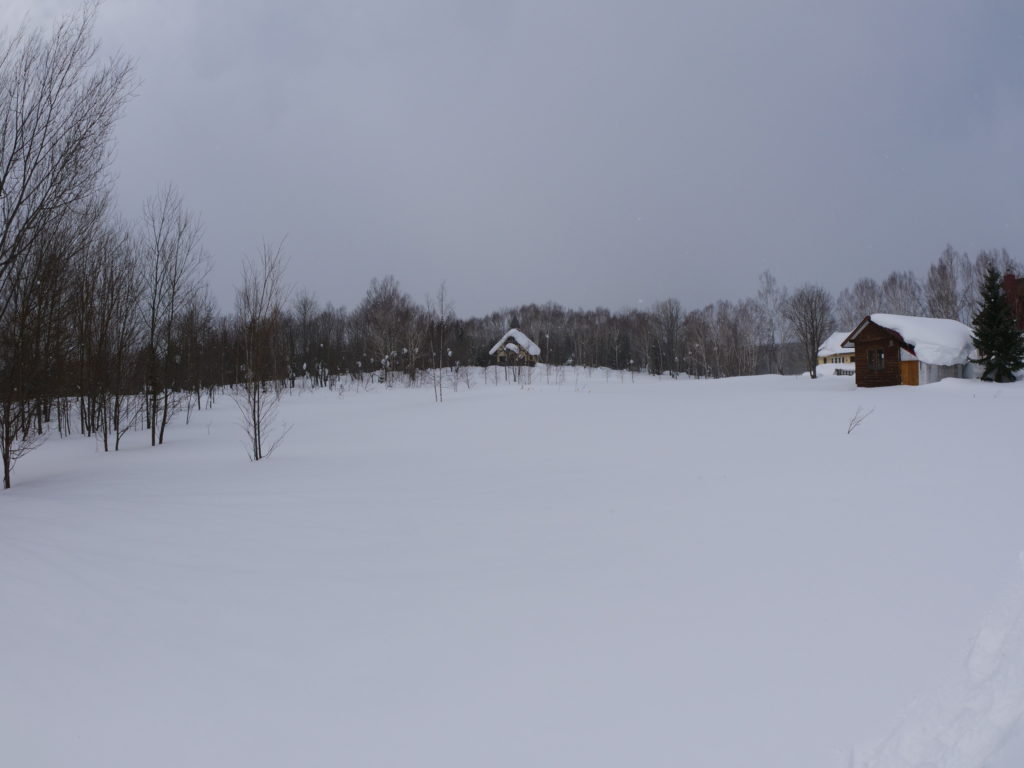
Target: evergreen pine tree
[{"x": 1000, "y": 345}]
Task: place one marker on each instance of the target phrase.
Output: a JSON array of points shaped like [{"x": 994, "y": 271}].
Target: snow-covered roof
[
  {"x": 519, "y": 338},
  {"x": 834, "y": 345},
  {"x": 936, "y": 341}
]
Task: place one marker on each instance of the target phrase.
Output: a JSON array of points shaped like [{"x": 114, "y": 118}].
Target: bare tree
[
  {"x": 90, "y": 244},
  {"x": 194, "y": 335},
  {"x": 123, "y": 292},
  {"x": 702, "y": 342},
  {"x": 34, "y": 344},
  {"x": 975, "y": 277},
  {"x": 741, "y": 339},
  {"x": 809, "y": 312},
  {"x": 944, "y": 296},
  {"x": 58, "y": 107},
  {"x": 771, "y": 304},
  {"x": 259, "y": 312},
  {"x": 854, "y": 304},
  {"x": 857, "y": 419},
  {"x": 442, "y": 314},
  {"x": 173, "y": 265},
  {"x": 384, "y": 317},
  {"x": 668, "y": 324},
  {"x": 109, "y": 279},
  {"x": 20, "y": 364},
  {"x": 902, "y": 295},
  {"x": 305, "y": 354}
]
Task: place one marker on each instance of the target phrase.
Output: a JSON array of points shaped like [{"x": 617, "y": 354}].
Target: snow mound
[
  {"x": 968, "y": 724},
  {"x": 519, "y": 338},
  {"x": 936, "y": 341}
]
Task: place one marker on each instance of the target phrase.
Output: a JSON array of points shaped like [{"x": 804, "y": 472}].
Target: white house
[{"x": 832, "y": 350}]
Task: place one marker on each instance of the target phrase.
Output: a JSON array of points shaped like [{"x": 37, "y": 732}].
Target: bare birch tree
[
  {"x": 944, "y": 295},
  {"x": 668, "y": 322},
  {"x": 259, "y": 312},
  {"x": 107, "y": 292},
  {"x": 771, "y": 302},
  {"x": 854, "y": 304},
  {"x": 902, "y": 295},
  {"x": 173, "y": 265},
  {"x": 384, "y": 317},
  {"x": 58, "y": 107},
  {"x": 33, "y": 345},
  {"x": 442, "y": 313}
]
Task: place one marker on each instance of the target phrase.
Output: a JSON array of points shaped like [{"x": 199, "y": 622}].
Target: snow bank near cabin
[
  {"x": 832, "y": 369},
  {"x": 936, "y": 341}
]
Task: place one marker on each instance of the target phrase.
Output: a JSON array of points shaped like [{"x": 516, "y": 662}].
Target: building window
[{"x": 876, "y": 359}]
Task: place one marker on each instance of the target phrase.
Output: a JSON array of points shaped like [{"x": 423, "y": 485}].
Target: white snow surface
[
  {"x": 689, "y": 577},
  {"x": 936, "y": 341},
  {"x": 834, "y": 345},
  {"x": 519, "y": 338},
  {"x": 973, "y": 719}
]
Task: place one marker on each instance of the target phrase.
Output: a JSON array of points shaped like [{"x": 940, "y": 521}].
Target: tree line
[{"x": 108, "y": 325}]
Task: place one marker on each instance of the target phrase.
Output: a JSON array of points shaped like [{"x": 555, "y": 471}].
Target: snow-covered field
[{"x": 602, "y": 572}]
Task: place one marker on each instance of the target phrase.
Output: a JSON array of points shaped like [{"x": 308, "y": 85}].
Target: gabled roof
[
  {"x": 834, "y": 345},
  {"x": 933, "y": 340},
  {"x": 519, "y": 338}
]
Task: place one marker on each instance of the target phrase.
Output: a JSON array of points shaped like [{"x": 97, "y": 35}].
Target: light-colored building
[{"x": 832, "y": 352}]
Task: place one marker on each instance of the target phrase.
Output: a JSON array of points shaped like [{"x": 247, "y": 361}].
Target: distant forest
[{"x": 108, "y": 326}]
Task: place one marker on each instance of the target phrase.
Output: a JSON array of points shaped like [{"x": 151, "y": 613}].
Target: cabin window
[{"x": 876, "y": 359}]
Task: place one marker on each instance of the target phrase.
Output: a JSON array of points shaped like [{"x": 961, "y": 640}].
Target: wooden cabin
[
  {"x": 898, "y": 349},
  {"x": 515, "y": 348}
]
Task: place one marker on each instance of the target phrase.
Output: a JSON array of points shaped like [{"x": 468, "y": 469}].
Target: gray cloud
[{"x": 590, "y": 152}]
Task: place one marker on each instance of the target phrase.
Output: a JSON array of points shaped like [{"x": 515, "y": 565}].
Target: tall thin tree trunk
[
  {"x": 165, "y": 414},
  {"x": 151, "y": 409}
]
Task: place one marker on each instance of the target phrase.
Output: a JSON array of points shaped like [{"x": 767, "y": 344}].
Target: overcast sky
[{"x": 584, "y": 151}]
